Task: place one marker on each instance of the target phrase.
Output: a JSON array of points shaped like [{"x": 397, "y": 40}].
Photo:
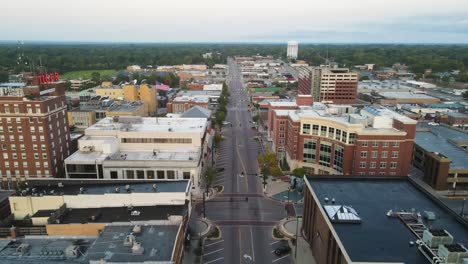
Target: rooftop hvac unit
[
  {"x": 22, "y": 248},
  {"x": 137, "y": 249},
  {"x": 129, "y": 239},
  {"x": 72, "y": 251},
  {"x": 452, "y": 253},
  {"x": 136, "y": 229},
  {"x": 435, "y": 237}
]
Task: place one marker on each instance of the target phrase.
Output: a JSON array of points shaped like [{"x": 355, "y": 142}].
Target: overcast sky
[{"x": 363, "y": 21}]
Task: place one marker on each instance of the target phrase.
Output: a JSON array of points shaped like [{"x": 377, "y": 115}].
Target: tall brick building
[
  {"x": 335, "y": 139},
  {"x": 34, "y": 134},
  {"x": 328, "y": 84}
]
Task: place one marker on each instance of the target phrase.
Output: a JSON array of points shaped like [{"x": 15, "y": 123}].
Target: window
[
  {"x": 26, "y": 173},
  {"x": 38, "y": 172},
  {"x": 46, "y": 164},
  {"x": 394, "y": 154},
  {"x": 338, "y": 159},
  {"x": 20, "y": 129},
  {"x": 1, "y": 128},
  {"x": 186, "y": 175},
  {"x": 36, "y": 155},
  {"x": 7, "y": 109},
  {"x": 13, "y": 147},
  {"x": 43, "y": 147},
  {"x": 323, "y": 131},
  {"x": 362, "y": 164},
  {"x": 2, "y": 138},
  {"x": 325, "y": 154},
  {"x": 338, "y": 134},
  {"x": 10, "y": 129},
  {"x": 383, "y": 165},
  {"x": 156, "y": 140},
  {"x": 373, "y": 165},
  {"x": 33, "y": 129},
  {"x": 363, "y": 154},
  {"x": 7, "y": 164},
  {"x": 375, "y": 144},
  {"x": 44, "y": 155},
  {"x": 396, "y": 144},
  {"x": 345, "y": 135},
  {"x": 309, "y": 152},
  {"x": 374, "y": 154},
  {"x": 41, "y": 138},
  {"x": 130, "y": 174},
  {"x": 21, "y": 138},
  {"x": 352, "y": 138},
  {"x": 160, "y": 174},
  {"x": 384, "y": 154},
  {"x": 38, "y": 164},
  {"x": 14, "y": 155},
  {"x": 23, "y": 155},
  {"x": 5, "y": 155},
  {"x": 315, "y": 130},
  {"x": 170, "y": 174},
  {"x": 306, "y": 129},
  {"x": 33, "y": 138},
  {"x": 393, "y": 165},
  {"x": 385, "y": 144},
  {"x": 150, "y": 174},
  {"x": 25, "y": 164},
  {"x": 113, "y": 175},
  {"x": 331, "y": 132},
  {"x": 140, "y": 174}
]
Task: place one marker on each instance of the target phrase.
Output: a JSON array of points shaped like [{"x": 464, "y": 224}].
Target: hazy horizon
[{"x": 242, "y": 21}]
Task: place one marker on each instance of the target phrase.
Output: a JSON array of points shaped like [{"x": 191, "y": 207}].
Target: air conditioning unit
[
  {"x": 452, "y": 253},
  {"x": 435, "y": 237}
]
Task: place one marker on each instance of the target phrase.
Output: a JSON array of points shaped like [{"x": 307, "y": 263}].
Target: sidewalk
[
  {"x": 304, "y": 252},
  {"x": 199, "y": 229}
]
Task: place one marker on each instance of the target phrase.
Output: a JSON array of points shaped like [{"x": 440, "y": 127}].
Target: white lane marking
[
  {"x": 280, "y": 258},
  {"x": 214, "y": 260},
  {"x": 213, "y": 252},
  {"x": 214, "y": 243},
  {"x": 272, "y": 243},
  {"x": 251, "y": 238}
]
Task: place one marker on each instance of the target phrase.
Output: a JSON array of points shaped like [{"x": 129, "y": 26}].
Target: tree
[
  {"x": 268, "y": 164},
  {"x": 299, "y": 172},
  {"x": 67, "y": 85},
  {"x": 3, "y": 76},
  {"x": 255, "y": 118},
  {"x": 219, "y": 117},
  {"x": 217, "y": 140},
  {"x": 210, "y": 175},
  {"x": 96, "y": 77}
]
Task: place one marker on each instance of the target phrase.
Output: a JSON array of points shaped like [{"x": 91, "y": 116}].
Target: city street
[{"x": 244, "y": 215}]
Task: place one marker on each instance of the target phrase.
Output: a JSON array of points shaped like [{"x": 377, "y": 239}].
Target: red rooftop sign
[{"x": 48, "y": 78}]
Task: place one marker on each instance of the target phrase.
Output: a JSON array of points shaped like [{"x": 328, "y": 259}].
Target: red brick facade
[{"x": 34, "y": 138}]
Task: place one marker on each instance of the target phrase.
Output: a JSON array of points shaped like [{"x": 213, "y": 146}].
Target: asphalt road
[{"x": 245, "y": 216}]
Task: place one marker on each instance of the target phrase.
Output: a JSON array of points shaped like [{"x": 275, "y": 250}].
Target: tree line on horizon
[{"x": 74, "y": 57}]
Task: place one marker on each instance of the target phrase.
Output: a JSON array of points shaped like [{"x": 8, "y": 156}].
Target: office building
[
  {"x": 363, "y": 220},
  {"x": 336, "y": 139},
  {"x": 34, "y": 137},
  {"x": 328, "y": 84},
  {"x": 142, "y": 148},
  {"x": 293, "y": 48}
]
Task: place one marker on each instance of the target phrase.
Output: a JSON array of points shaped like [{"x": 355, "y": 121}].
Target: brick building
[
  {"x": 34, "y": 137},
  {"x": 328, "y": 84},
  {"x": 335, "y": 139}
]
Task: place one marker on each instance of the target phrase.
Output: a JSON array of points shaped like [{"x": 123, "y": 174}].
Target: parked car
[{"x": 282, "y": 250}]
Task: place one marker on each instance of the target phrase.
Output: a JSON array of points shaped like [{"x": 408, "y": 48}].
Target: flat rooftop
[
  {"x": 159, "y": 155},
  {"x": 43, "y": 250},
  {"x": 406, "y": 95},
  {"x": 158, "y": 243},
  {"x": 151, "y": 124},
  {"x": 440, "y": 139},
  {"x": 72, "y": 186},
  {"x": 121, "y": 214},
  {"x": 379, "y": 238}
]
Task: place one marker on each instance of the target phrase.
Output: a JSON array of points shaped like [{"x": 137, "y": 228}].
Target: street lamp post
[{"x": 463, "y": 208}]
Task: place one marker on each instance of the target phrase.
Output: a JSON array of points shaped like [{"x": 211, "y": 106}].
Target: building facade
[
  {"x": 130, "y": 92},
  {"x": 142, "y": 148},
  {"x": 34, "y": 138},
  {"x": 329, "y": 84},
  {"x": 335, "y": 139}
]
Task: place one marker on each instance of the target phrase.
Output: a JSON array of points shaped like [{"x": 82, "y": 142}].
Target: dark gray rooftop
[
  {"x": 379, "y": 238},
  {"x": 197, "y": 112},
  {"x": 72, "y": 187},
  {"x": 121, "y": 214},
  {"x": 438, "y": 139},
  {"x": 157, "y": 241}
]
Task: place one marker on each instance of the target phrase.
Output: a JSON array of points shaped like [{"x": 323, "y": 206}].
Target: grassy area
[
  {"x": 277, "y": 234},
  {"x": 85, "y": 74}
]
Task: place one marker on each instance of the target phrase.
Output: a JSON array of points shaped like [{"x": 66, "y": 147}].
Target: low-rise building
[
  {"x": 144, "y": 92},
  {"x": 394, "y": 98},
  {"x": 142, "y": 148},
  {"x": 441, "y": 153},
  {"x": 364, "y": 220},
  {"x": 184, "y": 100}
]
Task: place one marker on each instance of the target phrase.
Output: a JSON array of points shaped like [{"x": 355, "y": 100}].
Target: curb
[{"x": 282, "y": 229}]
